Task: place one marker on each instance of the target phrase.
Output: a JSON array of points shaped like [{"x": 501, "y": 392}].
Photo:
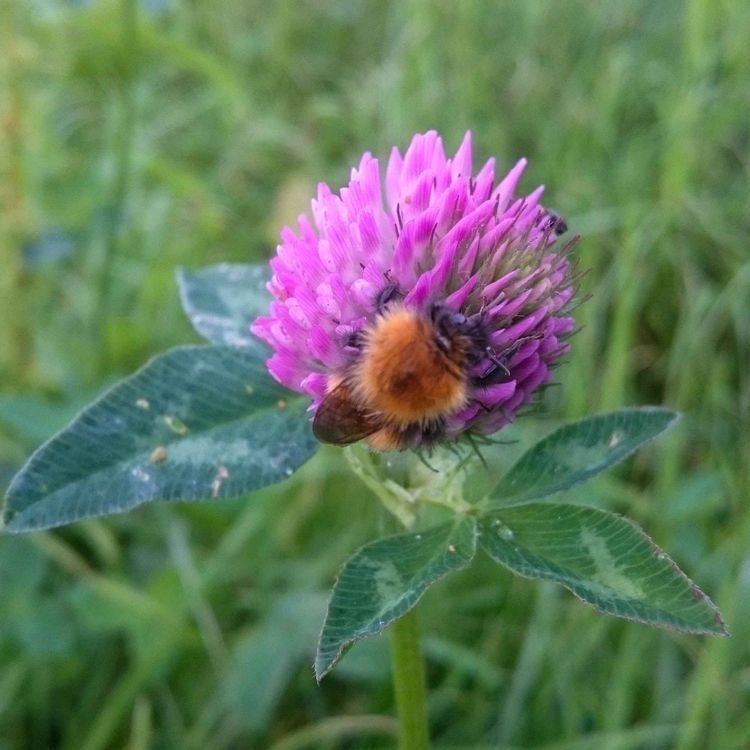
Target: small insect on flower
[
  {"x": 412, "y": 372},
  {"x": 436, "y": 310}
]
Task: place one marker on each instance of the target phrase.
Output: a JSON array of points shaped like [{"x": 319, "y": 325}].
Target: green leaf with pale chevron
[
  {"x": 604, "y": 559},
  {"x": 223, "y": 300},
  {"x": 385, "y": 579},
  {"x": 579, "y": 450},
  {"x": 196, "y": 422}
]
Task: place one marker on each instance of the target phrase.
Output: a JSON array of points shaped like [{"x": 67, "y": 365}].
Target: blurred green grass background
[{"x": 135, "y": 137}]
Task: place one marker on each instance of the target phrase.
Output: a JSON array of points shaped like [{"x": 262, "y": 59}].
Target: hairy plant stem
[
  {"x": 404, "y": 485},
  {"x": 409, "y": 683}
]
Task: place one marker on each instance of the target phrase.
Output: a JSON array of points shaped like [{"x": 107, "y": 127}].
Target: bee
[
  {"x": 412, "y": 371},
  {"x": 556, "y": 223}
]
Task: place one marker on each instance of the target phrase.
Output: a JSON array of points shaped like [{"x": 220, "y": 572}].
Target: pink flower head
[{"x": 444, "y": 235}]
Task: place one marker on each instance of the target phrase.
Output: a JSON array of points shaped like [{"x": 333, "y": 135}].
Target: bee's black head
[
  {"x": 450, "y": 326},
  {"x": 386, "y": 295}
]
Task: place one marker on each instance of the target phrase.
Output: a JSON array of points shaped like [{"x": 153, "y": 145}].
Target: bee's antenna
[{"x": 495, "y": 360}]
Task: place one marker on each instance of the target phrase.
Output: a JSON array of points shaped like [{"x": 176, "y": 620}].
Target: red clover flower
[{"x": 443, "y": 237}]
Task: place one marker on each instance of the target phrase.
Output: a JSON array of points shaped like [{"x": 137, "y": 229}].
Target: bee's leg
[
  {"x": 481, "y": 405},
  {"x": 496, "y": 361},
  {"x": 497, "y": 372}
]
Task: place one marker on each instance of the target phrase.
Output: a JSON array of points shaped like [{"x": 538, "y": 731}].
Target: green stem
[{"x": 409, "y": 685}]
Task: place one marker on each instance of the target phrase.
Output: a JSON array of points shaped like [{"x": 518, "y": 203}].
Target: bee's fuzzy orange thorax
[{"x": 404, "y": 374}]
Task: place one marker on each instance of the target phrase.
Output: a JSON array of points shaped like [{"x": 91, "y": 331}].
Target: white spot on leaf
[
  {"x": 175, "y": 424},
  {"x": 615, "y": 439},
  {"x": 222, "y": 473},
  {"x": 141, "y": 475}
]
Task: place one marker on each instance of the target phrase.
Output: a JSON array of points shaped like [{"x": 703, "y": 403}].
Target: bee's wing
[{"x": 340, "y": 421}]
